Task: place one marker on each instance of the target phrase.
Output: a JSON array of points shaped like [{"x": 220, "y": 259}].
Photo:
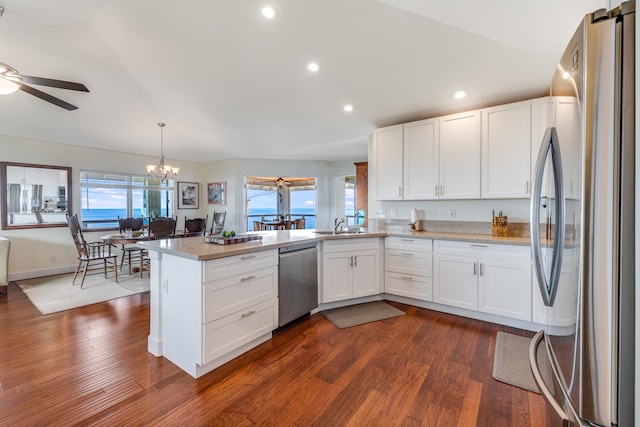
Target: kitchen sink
[{"x": 339, "y": 232}]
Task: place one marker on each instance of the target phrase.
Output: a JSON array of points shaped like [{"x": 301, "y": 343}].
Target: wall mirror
[{"x": 34, "y": 196}]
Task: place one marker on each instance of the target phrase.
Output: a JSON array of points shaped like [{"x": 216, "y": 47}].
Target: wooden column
[{"x": 362, "y": 189}]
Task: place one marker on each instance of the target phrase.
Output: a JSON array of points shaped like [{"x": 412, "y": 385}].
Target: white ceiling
[{"x": 230, "y": 84}]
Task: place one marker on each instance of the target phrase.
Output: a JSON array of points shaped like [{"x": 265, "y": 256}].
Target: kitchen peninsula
[{"x": 210, "y": 303}]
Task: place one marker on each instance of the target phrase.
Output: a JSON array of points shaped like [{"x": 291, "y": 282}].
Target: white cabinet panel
[
  {"x": 387, "y": 162},
  {"x": 456, "y": 282},
  {"x": 460, "y": 156},
  {"x": 506, "y": 150},
  {"x": 421, "y": 160}
]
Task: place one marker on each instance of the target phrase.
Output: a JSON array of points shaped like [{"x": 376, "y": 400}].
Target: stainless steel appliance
[
  {"x": 298, "y": 282},
  {"x": 589, "y": 223}
]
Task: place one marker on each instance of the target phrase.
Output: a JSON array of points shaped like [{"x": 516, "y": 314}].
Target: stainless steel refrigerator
[{"x": 583, "y": 229}]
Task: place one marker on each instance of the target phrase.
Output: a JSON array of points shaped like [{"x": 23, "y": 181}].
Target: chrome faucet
[{"x": 337, "y": 222}]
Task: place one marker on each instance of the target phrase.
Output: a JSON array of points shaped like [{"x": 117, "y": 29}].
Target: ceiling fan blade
[
  {"x": 47, "y": 97},
  {"x": 61, "y": 84}
]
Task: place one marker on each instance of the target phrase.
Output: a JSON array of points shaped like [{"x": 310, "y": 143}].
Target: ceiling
[{"x": 230, "y": 84}]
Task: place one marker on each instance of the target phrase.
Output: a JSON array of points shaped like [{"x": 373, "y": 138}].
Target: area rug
[
  {"x": 52, "y": 294},
  {"x": 511, "y": 362},
  {"x": 345, "y": 317}
]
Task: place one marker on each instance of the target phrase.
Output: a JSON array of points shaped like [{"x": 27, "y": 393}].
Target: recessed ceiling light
[
  {"x": 348, "y": 108},
  {"x": 460, "y": 93},
  {"x": 314, "y": 67},
  {"x": 268, "y": 12}
]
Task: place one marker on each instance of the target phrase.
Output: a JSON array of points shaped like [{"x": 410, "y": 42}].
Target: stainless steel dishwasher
[{"x": 298, "y": 282}]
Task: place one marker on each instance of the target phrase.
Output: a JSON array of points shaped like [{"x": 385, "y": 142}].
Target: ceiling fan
[{"x": 11, "y": 81}]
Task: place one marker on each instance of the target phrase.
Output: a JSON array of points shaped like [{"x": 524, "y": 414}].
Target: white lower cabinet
[
  {"x": 408, "y": 267},
  {"x": 564, "y": 309},
  {"x": 212, "y": 311},
  {"x": 489, "y": 278},
  {"x": 350, "y": 268}
]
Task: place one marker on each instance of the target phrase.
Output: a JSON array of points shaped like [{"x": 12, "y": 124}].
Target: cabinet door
[
  {"x": 421, "y": 160},
  {"x": 504, "y": 287},
  {"x": 460, "y": 156},
  {"x": 506, "y": 151},
  {"x": 387, "y": 162},
  {"x": 567, "y": 122},
  {"x": 336, "y": 273},
  {"x": 365, "y": 279},
  {"x": 455, "y": 281}
]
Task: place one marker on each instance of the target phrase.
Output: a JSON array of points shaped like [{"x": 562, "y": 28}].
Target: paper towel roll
[{"x": 414, "y": 216}]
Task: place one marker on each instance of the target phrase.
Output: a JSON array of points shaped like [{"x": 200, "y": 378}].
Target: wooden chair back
[
  {"x": 135, "y": 224},
  {"x": 299, "y": 224},
  {"x": 195, "y": 226},
  {"x": 218, "y": 222},
  {"x": 90, "y": 251},
  {"x": 162, "y": 228},
  {"x": 257, "y": 226}
]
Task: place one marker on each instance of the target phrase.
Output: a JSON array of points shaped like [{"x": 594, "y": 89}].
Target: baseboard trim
[{"x": 32, "y": 274}]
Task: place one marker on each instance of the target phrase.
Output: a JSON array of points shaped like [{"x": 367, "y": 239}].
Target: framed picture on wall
[
  {"x": 216, "y": 193},
  {"x": 188, "y": 195}
]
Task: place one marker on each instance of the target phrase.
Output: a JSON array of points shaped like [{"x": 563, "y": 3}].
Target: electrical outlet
[
  {"x": 53, "y": 259},
  {"x": 452, "y": 214},
  {"x": 393, "y": 213},
  {"x": 381, "y": 214}
]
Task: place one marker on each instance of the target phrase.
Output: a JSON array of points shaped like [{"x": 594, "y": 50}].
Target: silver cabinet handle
[
  {"x": 481, "y": 269},
  {"x": 244, "y": 279},
  {"x": 442, "y": 190},
  {"x": 355, "y": 261},
  {"x": 475, "y": 269},
  {"x": 407, "y": 240},
  {"x": 405, "y": 254},
  {"x": 437, "y": 190},
  {"x": 248, "y": 313},
  {"x": 406, "y": 277},
  {"x": 351, "y": 261},
  {"x": 526, "y": 187},
  {"x": 399, "y": 191},
  {"x": 473, "y": 245},
  {"x": 248, "y": 257}
]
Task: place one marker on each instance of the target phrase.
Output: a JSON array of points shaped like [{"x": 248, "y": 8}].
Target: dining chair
[
  {"x": 257, "y": 226},
  {"x": 89, "y": 252},
  {"x": 299, "y": 224},
  {"x": 218, "y": 222},
  {"x": 135, "y": 224},
  {"x": 195, "y": 226},
  {"x": 162, "y": 228}
]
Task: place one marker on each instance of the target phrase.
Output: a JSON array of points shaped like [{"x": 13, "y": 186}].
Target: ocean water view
[{"x": 109, "y": 217}]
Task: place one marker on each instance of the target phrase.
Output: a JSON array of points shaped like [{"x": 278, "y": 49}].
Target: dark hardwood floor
[{"x": 90, "y": 366}]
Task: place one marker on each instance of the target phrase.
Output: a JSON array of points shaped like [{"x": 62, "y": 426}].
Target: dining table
[{"x": 121, "y": 239}]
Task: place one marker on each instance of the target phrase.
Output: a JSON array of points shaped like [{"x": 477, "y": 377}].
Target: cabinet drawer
[
  {"x": 227, "y": 334},
  {"x": 355, "y": 244},
  {"x": 409, "y": 243},
  {"x": 408, "y": 285},
  {"x": 226, "y": 296},
  {"x": 409, "y": 262},
  {"x": 231, "y": 266}
]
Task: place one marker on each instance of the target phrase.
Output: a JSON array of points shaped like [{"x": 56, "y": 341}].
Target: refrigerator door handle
[{"x": 550, "y": 147}]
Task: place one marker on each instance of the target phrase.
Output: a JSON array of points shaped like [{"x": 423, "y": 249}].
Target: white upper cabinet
[
  {"x": 421, "y": 159},
  {"x": 506, "y": 151},
  {"x": 460, "y": 156},
  {"x": 387, "y": 162},
  {"x": 406, "y": 161},
  {"x": 563, "y": 112}
]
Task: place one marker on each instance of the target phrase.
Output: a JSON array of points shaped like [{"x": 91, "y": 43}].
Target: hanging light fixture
[
  {"x": 162, "y": 171},
  {"x": 280, "y": 182}
]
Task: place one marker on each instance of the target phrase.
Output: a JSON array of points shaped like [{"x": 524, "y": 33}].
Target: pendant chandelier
[{"x": 162, "y": 171}]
